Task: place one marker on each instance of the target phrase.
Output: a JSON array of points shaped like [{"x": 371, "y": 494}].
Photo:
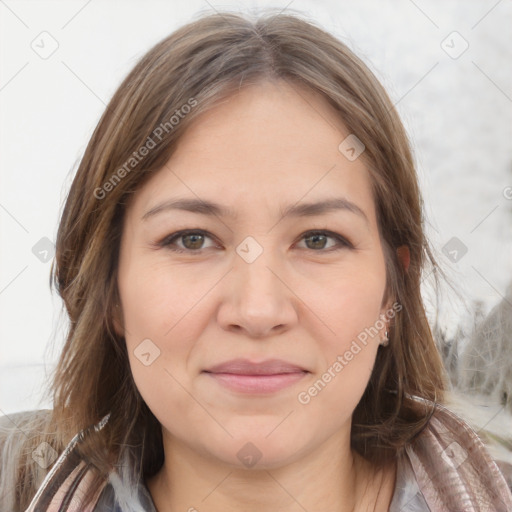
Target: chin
[{"x": 257, "y": 451}]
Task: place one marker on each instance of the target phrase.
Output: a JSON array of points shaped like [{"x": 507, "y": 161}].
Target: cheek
[
  {"x": 348, "y": 356},
  {"x": 353, "y": 303},
  {"x": 158, "y": 335},
  {"x": 352, "y": 311},
  {"x": 157, "y": 300},
  {"x": 163, "y": 315}
]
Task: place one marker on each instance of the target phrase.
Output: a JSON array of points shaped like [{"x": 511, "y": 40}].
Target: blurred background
[{"x": 447, "y": 66}]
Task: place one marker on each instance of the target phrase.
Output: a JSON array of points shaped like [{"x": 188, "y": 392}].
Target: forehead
[{"x": 270, "y": 145}]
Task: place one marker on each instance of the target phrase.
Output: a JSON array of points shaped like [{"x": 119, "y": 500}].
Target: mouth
[{"x": 244, "y": 376}]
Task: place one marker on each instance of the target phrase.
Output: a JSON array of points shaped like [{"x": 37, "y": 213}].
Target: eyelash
[{"x": 168, "y": 241}]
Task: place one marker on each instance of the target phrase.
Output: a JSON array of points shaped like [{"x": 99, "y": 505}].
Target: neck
[{"x": 191, "y": 482}]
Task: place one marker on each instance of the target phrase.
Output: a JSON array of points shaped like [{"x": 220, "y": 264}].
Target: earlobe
[{"x": 404, "y": 256}]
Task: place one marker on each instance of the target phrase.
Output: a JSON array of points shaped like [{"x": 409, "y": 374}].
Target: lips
[
  {"x": 244, "y": 376},
  {"x": 246, "y": 367}
]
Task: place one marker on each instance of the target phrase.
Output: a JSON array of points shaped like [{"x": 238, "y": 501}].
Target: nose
[{"x": 257, "y": 300}]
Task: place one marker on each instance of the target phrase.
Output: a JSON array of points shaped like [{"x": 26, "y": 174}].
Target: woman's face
[{"x": 253, "y": 284}]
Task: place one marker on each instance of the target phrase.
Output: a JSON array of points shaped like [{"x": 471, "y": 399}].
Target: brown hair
[{"x": 202, "y": 63}]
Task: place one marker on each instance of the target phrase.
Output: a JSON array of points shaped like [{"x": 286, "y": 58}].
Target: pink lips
[{"x": 266, "y": 377}]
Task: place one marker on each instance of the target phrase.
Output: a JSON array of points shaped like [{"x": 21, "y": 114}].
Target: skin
[{"x": 268, "y": 146}]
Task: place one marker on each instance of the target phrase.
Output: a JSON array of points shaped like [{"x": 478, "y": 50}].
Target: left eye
[
  {"x": 319, "y": 240},
  {"x": 192, "y": 241}
]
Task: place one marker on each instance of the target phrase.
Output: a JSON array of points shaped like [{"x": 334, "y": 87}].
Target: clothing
[
  {"x": 407, "y": 496},
  {"x": 446, "y": 468}
]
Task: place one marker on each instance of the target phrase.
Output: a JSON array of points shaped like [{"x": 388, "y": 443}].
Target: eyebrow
[{"x": 210, "y": 208}]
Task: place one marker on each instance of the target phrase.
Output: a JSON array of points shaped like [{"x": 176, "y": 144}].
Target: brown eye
[
  {"x": 318, "y": 241},
  {"x": 191, "y": 241}
]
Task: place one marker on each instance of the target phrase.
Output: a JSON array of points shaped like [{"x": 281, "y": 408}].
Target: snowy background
[{"x": 446, "y": 64}]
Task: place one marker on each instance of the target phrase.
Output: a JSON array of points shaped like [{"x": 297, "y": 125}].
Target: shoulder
[
  {"x": 15, "y": 422},
  {"x": 22, "y": 453},
  {"x": 62, "y": 479},
  {"x": 22, "y": 429},
  {"x": 453, "y": 469}
]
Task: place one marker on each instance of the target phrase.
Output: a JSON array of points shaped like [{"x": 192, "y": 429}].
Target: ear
[{"x": 404, "y": 256}]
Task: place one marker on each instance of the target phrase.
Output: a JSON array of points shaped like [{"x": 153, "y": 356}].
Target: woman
[{"x": 240, "y": 256}]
